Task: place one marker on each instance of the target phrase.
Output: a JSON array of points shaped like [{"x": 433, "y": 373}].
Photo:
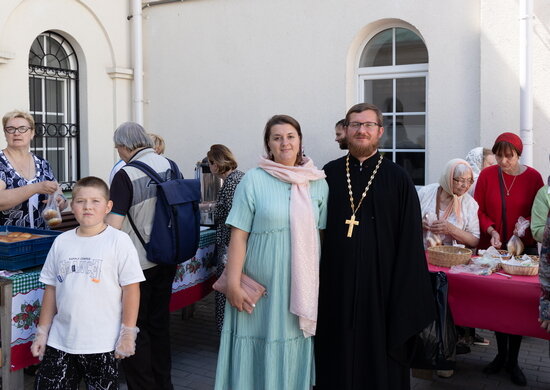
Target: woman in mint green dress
[{"x": 277, "y": 212}]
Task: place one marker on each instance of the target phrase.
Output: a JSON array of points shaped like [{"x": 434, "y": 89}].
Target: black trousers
[
  {"x": 64, "y": 371},
  {"x": 150, "y": 368},
  {"x": 508, "y": 346}
]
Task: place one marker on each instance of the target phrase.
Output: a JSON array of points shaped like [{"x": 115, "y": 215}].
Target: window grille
[{"x": 53, "y": 87}]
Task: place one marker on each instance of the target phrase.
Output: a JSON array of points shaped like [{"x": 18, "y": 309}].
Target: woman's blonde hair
[
  {"x": 158, "y": 141},
  {"x": 18, "y": 114},
  {"x": 222, "y": 157}
]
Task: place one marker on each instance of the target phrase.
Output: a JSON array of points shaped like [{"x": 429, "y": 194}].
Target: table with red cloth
[{"x": 495, "y": 302}]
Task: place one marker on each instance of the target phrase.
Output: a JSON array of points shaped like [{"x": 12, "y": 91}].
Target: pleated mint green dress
[{"x": 267, "y": 350}]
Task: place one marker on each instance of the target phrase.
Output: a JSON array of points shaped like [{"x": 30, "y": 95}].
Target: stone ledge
[
  {"x": 6, "y": 56},
  {"x": 121, "y": 73}
]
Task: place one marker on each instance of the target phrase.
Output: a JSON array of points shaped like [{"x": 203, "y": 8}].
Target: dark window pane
[
  {"x": 55, "y": 55},
  {"x": 411, "y": 94},
  {"x": 410, "y": 131},
  {"x": 379, "y": 93},
  {"x": 37, "y": 142},
  {"x": 378, "y": 51},
  {"x": 386, "y": 142},
  {"x": 413, "y": 164},
  {"x": 55, "y": 93},
  {"x": 409, "y": 48},
  {"x": 35, "y": 93},
  {"x": 36, "y": 54}
]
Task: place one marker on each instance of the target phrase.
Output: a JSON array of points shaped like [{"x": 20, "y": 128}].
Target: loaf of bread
[
  {"x": 54, "y": 221},
  {"x": 50, "y": 213}
]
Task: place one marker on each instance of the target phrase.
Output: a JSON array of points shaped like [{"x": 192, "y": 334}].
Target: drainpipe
[
  {"x": 137, "y": 33},
  {"x": 160, "y": 2},
  {"x": 526, "y": 80}
]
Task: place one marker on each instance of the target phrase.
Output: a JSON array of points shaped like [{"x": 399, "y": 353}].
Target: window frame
[
  {"x": 64, "y": 132},
  {"x": 394, "y": 72}
]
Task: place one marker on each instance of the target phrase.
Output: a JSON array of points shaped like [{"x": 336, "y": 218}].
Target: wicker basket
[
  {"x": 522, "y": 270},
  {"x": 447, "y": 256}
]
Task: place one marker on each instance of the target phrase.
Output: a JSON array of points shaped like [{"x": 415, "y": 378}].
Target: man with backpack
[{"x": 135, "y": 196}]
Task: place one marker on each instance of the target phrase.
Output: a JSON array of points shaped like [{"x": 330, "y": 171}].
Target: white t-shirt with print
[{"x": 88, "y": 273}]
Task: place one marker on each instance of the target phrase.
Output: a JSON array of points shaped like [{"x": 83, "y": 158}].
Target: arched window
[
  {"x": 393, "y": 74},
  {"x": 53, "y": 84}
]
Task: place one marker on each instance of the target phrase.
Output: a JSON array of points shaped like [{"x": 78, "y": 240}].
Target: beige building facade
[{"x": 445, "y": 73}]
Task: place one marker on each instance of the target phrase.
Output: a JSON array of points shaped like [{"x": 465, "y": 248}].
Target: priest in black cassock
[{"x": 375, "y": 292}]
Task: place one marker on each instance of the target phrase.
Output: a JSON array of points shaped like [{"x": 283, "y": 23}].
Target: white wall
[
  {"x": 99, "y": 33},
  {"x": 500, "y": 90},
  {"x": 216, "y": 71}
]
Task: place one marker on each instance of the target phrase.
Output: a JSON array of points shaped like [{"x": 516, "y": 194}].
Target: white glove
[
  {"x": 38, "y": 346},
  {"x": 126, "y": 343}
]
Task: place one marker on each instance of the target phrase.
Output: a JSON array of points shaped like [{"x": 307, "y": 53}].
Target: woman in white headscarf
[
  {"x": 479, "y": 158},
  {"x": 455, "y": 209}
]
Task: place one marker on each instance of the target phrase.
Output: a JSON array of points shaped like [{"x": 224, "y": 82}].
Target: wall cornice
[
  {"x": 6, "y": 56},
  {"x": 121, "y": 73}
]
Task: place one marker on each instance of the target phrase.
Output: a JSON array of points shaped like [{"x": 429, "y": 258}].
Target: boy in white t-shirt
[{"x": 90, "y": 306}]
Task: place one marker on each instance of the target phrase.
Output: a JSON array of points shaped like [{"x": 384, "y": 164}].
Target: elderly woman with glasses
[
  {"x": 454, "y": 210},
  {"x": 25, "y": 178}
]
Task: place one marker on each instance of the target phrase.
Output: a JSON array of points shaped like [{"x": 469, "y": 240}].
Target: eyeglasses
[
  {"x": 20, "y": 129},
  {"x": 357, "y": 125},
  {"x": 464, "y": 182}
]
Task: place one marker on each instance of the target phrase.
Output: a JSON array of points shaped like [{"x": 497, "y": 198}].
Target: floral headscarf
[{"x": 475, "y": 159}]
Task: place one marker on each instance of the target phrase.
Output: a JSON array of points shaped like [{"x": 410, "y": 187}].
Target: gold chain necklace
[
  {"x": 352, "y": 222},
  {"x": 511, "y": 185}
]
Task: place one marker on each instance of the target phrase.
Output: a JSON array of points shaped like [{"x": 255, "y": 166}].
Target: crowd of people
[{"x": 340, "y": 251}]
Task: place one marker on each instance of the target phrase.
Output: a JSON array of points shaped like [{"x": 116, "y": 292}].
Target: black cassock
[{"x": 375, "y": 292}]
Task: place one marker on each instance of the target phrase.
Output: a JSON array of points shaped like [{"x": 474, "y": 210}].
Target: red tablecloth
[{"x": 509, "y": 305}]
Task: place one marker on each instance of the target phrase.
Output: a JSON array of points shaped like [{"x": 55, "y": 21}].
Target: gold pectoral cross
[{"x": 352, "y": 223}]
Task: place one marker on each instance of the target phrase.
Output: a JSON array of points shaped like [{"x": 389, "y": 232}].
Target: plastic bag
[
  {"x": 432, "y": 239},
  {"x": 51, "y": 213},
  {"x": 475, "y": 269},
  {"x": 436, "y": 344},
  {"x": 515, "y": 246}
]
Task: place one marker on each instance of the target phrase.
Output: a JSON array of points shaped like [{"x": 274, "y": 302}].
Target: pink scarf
[{"x": 304, "y": 240}]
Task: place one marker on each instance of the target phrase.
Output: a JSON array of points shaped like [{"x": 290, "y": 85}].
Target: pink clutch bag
[{"x": 253, "y": 289}]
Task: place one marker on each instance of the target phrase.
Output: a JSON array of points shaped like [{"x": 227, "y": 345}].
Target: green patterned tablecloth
[
  {"x": 28, "y": 280},
  {"x": 25, "y": 282},
  {"x": 208, "y": 237}
]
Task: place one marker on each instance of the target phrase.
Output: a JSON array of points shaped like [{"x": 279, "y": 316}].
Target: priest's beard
[{"x": 362, "y": 151}]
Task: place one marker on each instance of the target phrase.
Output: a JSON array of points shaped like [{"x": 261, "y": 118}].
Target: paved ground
[{"x": 195, "y": 346}]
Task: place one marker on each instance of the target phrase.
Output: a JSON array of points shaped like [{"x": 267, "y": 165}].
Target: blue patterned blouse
[{"x": 19, "y": 215}]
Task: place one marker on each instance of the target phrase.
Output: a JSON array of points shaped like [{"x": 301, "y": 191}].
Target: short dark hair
[
  {"x": 341, "y": 122},
  {"x": 281, "y": 120},
  {"x": 92, "y": 181},
  {"x": 358, "y": 108},
  {"x": 222, "y": 157},
  {"x": 502, "y": 147}
]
